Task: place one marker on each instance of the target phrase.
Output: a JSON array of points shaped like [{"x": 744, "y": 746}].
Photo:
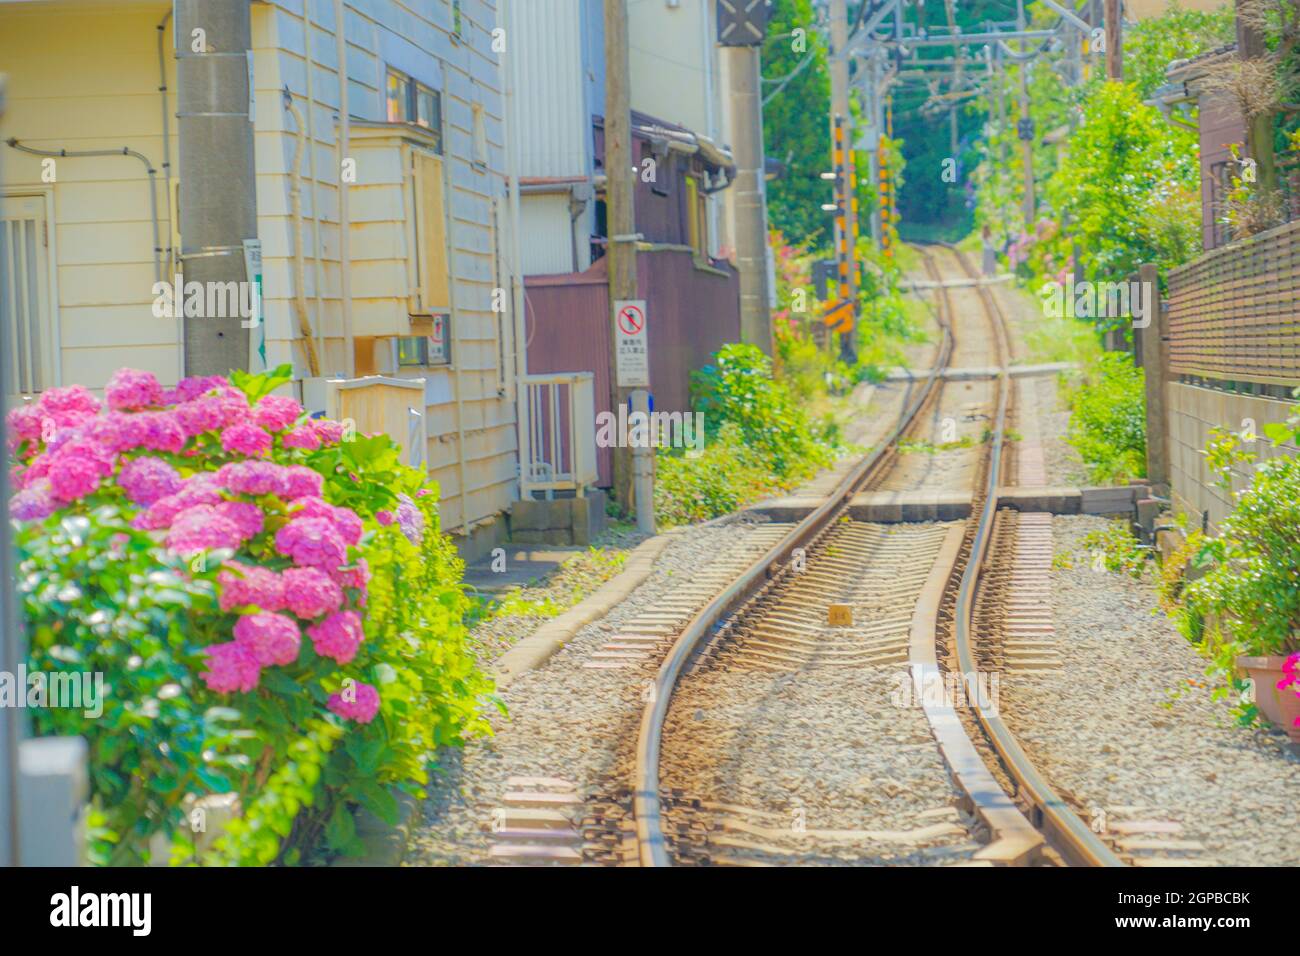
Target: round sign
[{"x": 630, "y": 320}]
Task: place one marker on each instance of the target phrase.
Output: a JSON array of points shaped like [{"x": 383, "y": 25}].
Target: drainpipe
[
  {"x": 516, "y": 271},
  {"x": 315, "y": 183},
  {"x": 167, "y": 173},
  {"x": 299, "y": 273},
  {"x": 345, "y": 219},
  {"x": 217, "y": 173}
]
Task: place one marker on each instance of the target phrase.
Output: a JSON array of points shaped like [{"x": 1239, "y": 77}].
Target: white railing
[
  {"x": 379, "y": 403},
  {"x": 560, "y": 447}
]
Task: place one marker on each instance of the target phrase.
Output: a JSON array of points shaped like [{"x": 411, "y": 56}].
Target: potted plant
[{"x": 1245, "y": 612}]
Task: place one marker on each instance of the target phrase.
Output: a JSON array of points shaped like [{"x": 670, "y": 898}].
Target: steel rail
[
  {"x": 652, "y": 848},
  {"x": 1069, "y": 834}
]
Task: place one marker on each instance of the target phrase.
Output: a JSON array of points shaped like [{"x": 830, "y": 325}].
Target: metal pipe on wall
[{"x": 517, "y": 299}]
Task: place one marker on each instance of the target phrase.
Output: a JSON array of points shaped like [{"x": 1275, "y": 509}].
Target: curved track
[{"x": 1017, "y": 823}]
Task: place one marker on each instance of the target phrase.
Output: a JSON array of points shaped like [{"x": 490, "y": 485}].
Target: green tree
[{"x": 796, "y": 129}]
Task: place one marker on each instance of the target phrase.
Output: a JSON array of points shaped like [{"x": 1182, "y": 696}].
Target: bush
[
  {"x": 723, "y": 477},
  {"x": 153, "y": 532},
  {"x": 1249, "y": 600},
  {"x": 1108, "y": 424},
  {"x": 739, "y": 389}
]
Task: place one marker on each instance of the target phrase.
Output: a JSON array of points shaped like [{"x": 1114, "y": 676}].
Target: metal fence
[{"x": 1234, "y": 313}]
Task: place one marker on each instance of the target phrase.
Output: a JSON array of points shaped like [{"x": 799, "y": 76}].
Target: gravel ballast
[{"x": 1104, "y": 733}]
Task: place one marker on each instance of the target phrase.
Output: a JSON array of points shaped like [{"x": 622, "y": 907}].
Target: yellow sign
[{"x": 840, "y": 316}]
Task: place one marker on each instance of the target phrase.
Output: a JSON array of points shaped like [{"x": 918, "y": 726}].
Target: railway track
[{"x": 760, "y": 656}]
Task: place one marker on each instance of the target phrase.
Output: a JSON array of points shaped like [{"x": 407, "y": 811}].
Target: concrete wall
[{"x": 1193, "y": 412}]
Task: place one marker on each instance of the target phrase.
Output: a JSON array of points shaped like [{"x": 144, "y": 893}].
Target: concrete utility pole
[
  {"x": 750, "y": 193},
  {"x": 620, "y": 218},
  {"x": 1114, "y": 41},
  {"x": 218, "y": 200}
]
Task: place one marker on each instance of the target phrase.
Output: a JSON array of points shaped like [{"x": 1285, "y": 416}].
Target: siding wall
[
  {"x": 415, "y": 38},
  {"x": 89, "y": 82},
  {"x": 554, "y": 117},
  {"x": 1220, "y": 125}
]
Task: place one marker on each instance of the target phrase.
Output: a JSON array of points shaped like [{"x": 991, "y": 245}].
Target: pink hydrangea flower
[
  {"x": 304, "y": 437},
  {"x": 310, "y": 592},
  {"x": 231, "y": 667},
  {"x": 145, "y": 480},
  {"x": 68, "y": 407},
  {"x": 160, "y": 431},
  {"x": 362, "y": 706},
  {"x": 199, "y": 490},
  {"x": 345, "y": 520},
  {"x": 199, "y": 415},
  {"x": 273, "y": 638},
  {"x": 276, "y": 412},
  {"x": 247, "y": 517},
  {"x": 34, "y": 472},
  {"x": 24, "y": 423},
  {"x": 233, "y": 404},
  {"x": 202, "y": 528},
  {"x": 33, "y": 504},
  {"x": 252, "y": 478},
  {"x": 246, "y": 439},
  {"x": 245, "y": 584},
  {"x": 357, "y": 576},
  {"x": 130, "y": 389},
  {"x": 338, "y": 637},
  {"x": 312, "y": 542},
  {"x": 302, "y": 482},
  {"x": 76, "y": 468},
  {"x": 385, "y": 518},
  {"x": 328, "y": 431},
  {"x": 188, "y": 389},
  {"x": 117, "y": 431}
]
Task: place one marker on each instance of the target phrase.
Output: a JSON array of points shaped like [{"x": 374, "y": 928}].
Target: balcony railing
[{"x": 560, "y": 448}]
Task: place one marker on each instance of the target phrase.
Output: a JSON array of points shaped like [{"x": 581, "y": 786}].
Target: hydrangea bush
[{"x": 269, "y": 597}]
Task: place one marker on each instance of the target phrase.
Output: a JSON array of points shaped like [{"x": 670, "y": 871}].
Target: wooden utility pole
[
  {"x": 620, "y": 218},
  {"x": 1114, "y": 41}
]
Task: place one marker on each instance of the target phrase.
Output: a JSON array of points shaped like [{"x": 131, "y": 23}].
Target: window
[
  {"x": 411, "y": 102},
  {"x": 697, "y": 217},
  {"x": 457, "y": 21},
  {"x": 30, "y": 344}
]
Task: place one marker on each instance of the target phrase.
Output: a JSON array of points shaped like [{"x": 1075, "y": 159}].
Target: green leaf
[{"x": 342, "y": 828}]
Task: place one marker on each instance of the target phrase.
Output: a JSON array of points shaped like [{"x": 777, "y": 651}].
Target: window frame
[{"x": 411, "y": 106}]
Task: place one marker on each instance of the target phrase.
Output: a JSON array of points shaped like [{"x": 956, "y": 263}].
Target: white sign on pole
[{"x": 633, "y": 353}]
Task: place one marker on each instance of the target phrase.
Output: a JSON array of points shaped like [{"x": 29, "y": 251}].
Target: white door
[{"x": 28, "y": 345}]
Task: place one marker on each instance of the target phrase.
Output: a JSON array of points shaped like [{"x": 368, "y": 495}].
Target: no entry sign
[{"x": 633, "y": 355}]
